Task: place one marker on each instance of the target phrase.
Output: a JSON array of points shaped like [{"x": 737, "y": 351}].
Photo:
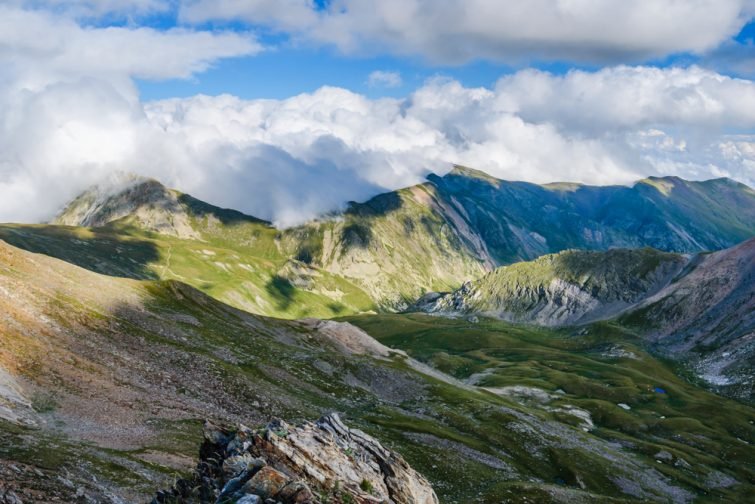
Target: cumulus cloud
[
  {"x": 69, "y": 110},
  {"x": 456, "y": 31},
  {"x": 38, "y": 48},
  {"x": 70, "y": 115},
  {"x": 282, "y": 14},
  {"x": 95, "y": 8},
  {"x": 289, "y": 160},
  {"x": 382, "y": 78},
  {"x": 629, "y": 97}
]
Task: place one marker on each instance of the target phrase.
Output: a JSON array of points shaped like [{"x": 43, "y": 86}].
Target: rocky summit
[{"x": 312, "y": 463}]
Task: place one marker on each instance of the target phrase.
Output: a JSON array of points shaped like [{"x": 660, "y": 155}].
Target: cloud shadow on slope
[{"x": 98, "y": 250}]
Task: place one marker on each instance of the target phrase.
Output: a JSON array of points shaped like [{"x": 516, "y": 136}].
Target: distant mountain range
[
  {"x": 395, "y": 251},
  {"x": 392, "y": 249}
]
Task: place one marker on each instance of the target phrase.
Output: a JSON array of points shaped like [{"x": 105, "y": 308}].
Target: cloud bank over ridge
[{"x": 70, "y": 115}]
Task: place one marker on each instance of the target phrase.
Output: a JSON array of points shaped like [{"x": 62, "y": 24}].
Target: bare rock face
[
  {"x": 14, "y": 406},
  {"x": 313, "y": 463}
]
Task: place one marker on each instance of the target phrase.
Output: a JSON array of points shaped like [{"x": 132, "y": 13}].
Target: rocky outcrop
[
  {"x": 145, "y": 202},
  {"x": 314, "y": 463}
]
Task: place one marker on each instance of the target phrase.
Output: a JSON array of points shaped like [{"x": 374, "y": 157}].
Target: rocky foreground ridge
[{"x": 313, "y": 463}]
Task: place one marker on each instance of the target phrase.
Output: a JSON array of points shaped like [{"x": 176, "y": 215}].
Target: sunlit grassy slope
[
  {"x": 241, "y": 265},
  {"x": 122, "y": 372},
  {"x": 634, "y": 399}
]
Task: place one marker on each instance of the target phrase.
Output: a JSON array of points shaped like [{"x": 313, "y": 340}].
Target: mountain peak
[
  {"x": 144, "y": 201},
  {"x": 464, "y": 171}
]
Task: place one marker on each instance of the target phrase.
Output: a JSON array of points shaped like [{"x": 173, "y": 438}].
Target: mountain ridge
[
  {"x": 568, "y": 288},
  {"x": 434, "y": 236}
]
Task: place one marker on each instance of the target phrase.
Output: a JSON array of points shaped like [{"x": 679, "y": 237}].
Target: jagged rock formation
[
  {"x": 572, "y": 287},
  {"x": 312, "y": 463}
]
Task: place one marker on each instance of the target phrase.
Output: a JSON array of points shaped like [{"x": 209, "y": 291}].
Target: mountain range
[
  {"x": 387, "y": 252},
  {"x": 513, "y": 342}
]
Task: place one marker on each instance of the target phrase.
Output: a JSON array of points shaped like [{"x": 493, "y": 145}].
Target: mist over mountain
[{"x": 437, "y": 235}]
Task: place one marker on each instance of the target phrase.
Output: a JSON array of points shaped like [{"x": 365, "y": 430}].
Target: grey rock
[
  {"x": 10, "y": 497},
  {"x": 249, "y": 499},
  {"x": 664, "y": 456}
]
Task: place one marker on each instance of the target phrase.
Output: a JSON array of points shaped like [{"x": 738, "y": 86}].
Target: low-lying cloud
[{"x": 289, "y": 160}]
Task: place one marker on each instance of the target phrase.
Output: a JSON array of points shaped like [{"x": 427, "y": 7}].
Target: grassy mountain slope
[
  {"x": 398, "y": 245},
  {"x": 258, "y": 279},
  {"x": 387, "y": 252},
  {"x": 450, "y": 229},
  {"x": 633, "y": 399},
  {"x": 567, "y": 288},
  {"x": 115, "y": 375}
]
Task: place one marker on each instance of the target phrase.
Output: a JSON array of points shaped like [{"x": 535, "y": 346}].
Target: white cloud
[
  {"x": 69, "y": 110},
  {"x": 462, "y": 30},
  {"x": 291, "y": 159},
  {"x": 92, "y": 10},
  {"x": 382, "y": 78},
  {"x": 70, "y": 115},
  {"x": 38, "y": 48},
  {"x": 283, "y": 14},
  {"x": 630, "y": 97}
]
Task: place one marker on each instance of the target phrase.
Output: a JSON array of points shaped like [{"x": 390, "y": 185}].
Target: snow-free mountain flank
[{"x": 431, "y": 237}]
